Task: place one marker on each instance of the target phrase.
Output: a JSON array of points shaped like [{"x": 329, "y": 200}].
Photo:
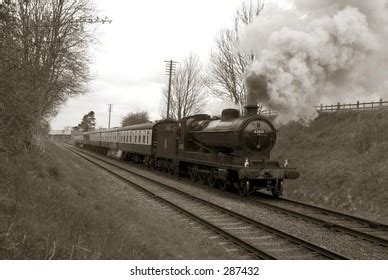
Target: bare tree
[
  {"x": 137, "y": 117},
  {"x": 227, "y": 62},
  {"x": 187, "y": 89},
  {"x": 44, "y": 60}
]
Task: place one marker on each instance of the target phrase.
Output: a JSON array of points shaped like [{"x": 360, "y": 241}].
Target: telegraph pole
[
  {"x": 170, "y": 70},
  {"x": 110, "y": 111}
]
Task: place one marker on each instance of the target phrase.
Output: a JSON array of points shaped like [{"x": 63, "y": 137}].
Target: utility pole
[
  {"x": 170, "y": 70},
  {"x": 110, "y": 111}
]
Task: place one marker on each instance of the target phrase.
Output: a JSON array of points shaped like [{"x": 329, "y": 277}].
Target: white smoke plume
[{"x": 318, "y": 51}]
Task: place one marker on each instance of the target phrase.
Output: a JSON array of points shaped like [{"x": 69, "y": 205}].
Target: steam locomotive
[{"x": 231, "y": 152}]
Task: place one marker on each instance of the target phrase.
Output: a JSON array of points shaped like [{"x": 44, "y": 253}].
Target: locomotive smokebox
[{"x": 251, "y": 110}]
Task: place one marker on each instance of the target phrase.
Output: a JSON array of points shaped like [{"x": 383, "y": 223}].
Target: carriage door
[{"x": 167, "y": 140}]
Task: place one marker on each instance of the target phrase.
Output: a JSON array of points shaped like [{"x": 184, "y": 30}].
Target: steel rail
[
  {"x": 370, "y": 237},
  {"x": 249, "y": 248},
  {"x": 372, "y": 224},
  {"x": 299, "y": 241}
]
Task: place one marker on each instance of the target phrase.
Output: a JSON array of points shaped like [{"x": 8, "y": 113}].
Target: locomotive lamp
[{"x": 246, "y": 163}]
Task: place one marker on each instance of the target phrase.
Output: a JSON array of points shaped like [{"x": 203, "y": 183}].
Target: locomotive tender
[{"x": 230, "y": 152}]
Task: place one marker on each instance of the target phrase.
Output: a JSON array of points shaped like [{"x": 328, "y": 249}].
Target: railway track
[
  {"x": 258, "y": 239},
  {"x": 352, "y": 225}
]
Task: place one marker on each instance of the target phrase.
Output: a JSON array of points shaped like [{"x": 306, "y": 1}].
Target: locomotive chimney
[{"x": 251, "y": 110}]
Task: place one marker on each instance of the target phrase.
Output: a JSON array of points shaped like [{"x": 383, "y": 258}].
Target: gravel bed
[
  {"x": 339, "y": 242},
  {"x": 190, "y": 241}
]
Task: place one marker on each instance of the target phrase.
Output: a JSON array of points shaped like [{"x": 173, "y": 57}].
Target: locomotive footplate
[{"x": 268, "y": 173}]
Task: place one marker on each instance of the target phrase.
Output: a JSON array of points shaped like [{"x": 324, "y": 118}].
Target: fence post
[
  {"x": 372, "y": 104},
  {"x": 358, "y": 104},
  {"x": 338, "y": 106},
  {"x": 381, "y": 102}
]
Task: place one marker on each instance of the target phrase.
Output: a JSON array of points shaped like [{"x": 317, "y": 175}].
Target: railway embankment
[
  {"x": 343, "y": 161},
  {"x": 55, "y": 205}
]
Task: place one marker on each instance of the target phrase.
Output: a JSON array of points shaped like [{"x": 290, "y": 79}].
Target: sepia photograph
[{"x": 218, "y": 130}]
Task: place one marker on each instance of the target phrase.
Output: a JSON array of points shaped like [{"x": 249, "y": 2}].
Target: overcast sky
[{"x": 129, "y": 61}]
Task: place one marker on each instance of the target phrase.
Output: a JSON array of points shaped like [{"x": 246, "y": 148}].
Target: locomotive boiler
[{"x": 241, "y": 136}]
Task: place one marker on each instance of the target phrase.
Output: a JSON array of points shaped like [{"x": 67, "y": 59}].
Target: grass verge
[
  {"x": 343, "y": 161},
  {"x": 54, "y": 205}
]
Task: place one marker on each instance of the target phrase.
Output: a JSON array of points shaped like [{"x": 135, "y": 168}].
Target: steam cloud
[{"x": 317, "y": 51}]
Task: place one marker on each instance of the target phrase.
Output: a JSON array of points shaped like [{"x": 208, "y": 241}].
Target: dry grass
[
  {"x": 57, "y": 206},
  {"x": 343, "y": 159},
  {"x": 38, "y": 220}
]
